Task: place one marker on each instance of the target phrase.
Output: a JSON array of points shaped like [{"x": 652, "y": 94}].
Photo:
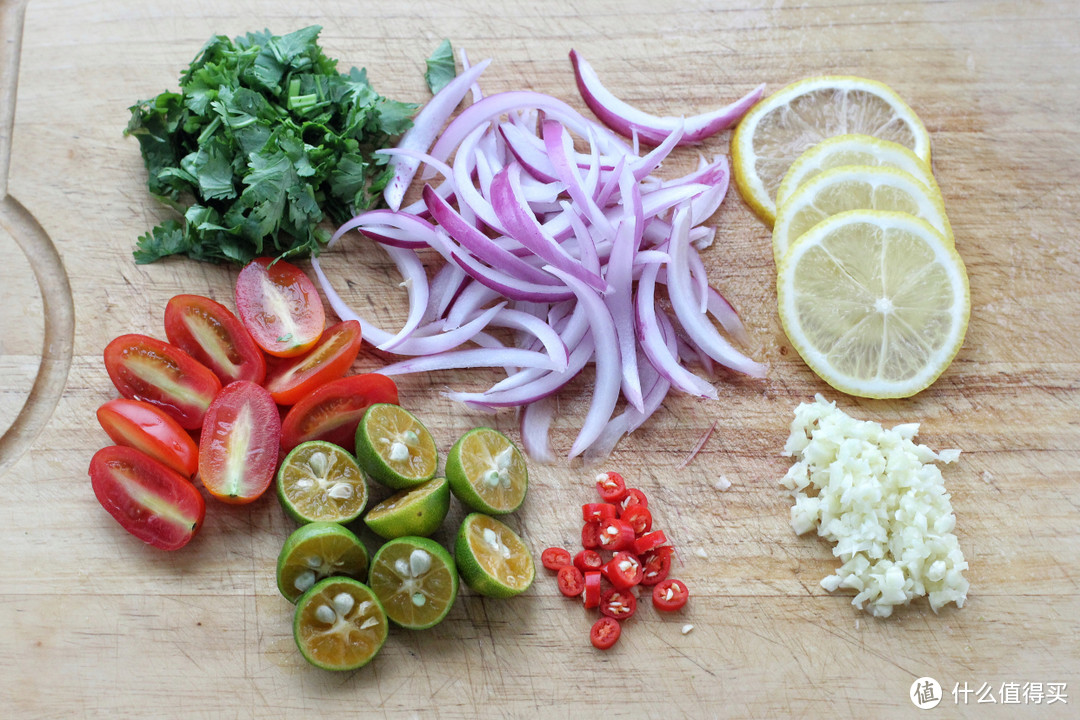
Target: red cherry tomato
[
  {"x": 618, "y": 604},
  {"x": 333, "y": 411},
  {"x": 649, "y": 541},
  {"x": 587, "y": 560},
  {"x": 153, "y": 503},
  {"x": 616, "y": 535},
  {"x": 279, "y": 306},
  {"x": 657, "y": 565},
  {"x": 210, "y": 333},
  {"x": 611, "y": 486},
  {"x": 142, "y": 426},
  {"x": 624, "y": 571},
  {"x": 639, "y": 518},
  {"x": 555, "y": 558},
  {"x": 238, "y": 450},
  {"x": 143, "y": 368},
  {"x": 592, "y": 589},
  {"x": 634, "y": 497},
  {"x": 670, "y": 595},
  {"x": 605, "y": 633},
  {"x": 590, "y": 535},
  {"x": 290, "y": 379},
  {"x": 571, "y": 581},
  {"x": 597, "y": 512}
]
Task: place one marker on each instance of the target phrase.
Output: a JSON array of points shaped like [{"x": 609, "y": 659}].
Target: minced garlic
[{"x": 880, "y": 498}]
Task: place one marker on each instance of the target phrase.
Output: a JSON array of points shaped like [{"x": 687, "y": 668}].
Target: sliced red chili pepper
[
  {"x": 634, "y": 497},
  {"x": 657, "y": 565},
  {"x": 670, "y": 595},
  {"x": 624, "y": 571},
  {"x": 616, "y": 535},
  {"x": 605, "y": 633},
  {"x": 554, "y": 558},
  {"x": 598, "y": 512},
  {"x": 592, "y": 589},
  {"x": 587, "y": 560},
  {"x": 618, "y": 604},
  {"x": 649, "y": 541},
  {"x": 571, "y": 581},
  {"x": 639, "y": 518},
  {"x": 590, "y": 536},
  {"x": 611, "y": 486}
]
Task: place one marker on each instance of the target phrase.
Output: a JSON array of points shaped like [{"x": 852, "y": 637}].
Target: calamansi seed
[
  {"x": 325, "y": 614},
  {"x": 343, "y": 603}
]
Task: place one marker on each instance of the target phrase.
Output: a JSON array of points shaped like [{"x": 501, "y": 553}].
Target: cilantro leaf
[{"x": 440, "y": 67}]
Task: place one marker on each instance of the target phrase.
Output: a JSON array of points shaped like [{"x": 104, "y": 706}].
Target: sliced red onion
[
  {"x": 473, "y": 297},
  {"x": 370, "y": 333},
  {"x": 468, "y": 196},
  {"x": 681, "y": 293},
  {"x": 477, "y": 93},
  {"x": 387, "y": 227},
  {"x": 416, "y": 283},
  {"x": 644, "y": 167},
  {"x": 532, "y": 157},
  {"x": 620, "y": 300},
  {"x": 553, "y": 344},
  {"x": 445, "y": 286},
  {"x": 535, "y": 430},
  {"x": 425, "y": 128},
  {"x": 628, "y": 120},
  {"x": 697, "y": 448},
  {"x": 471, "y": 358},
  {"x": 559, "y": 147},
  {"x": 447, "y": 340}
]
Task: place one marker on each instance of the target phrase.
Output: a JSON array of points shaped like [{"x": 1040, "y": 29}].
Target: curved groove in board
[{"x": 58, "y": 343}]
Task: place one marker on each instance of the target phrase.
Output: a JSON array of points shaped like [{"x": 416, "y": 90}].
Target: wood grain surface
[{"x": 93, "y": 624}]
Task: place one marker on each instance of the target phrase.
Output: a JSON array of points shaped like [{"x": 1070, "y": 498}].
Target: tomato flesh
[
  {"x": 587, "y": 560},
  {"x": 142, "y": 426},
  {"x": 670, "y": 595},
  {"x": 238, "y": 450},
  {"x": 611, "y": 486},
  {"x": 598, "y": 512},
  {"x": 149, "y": 500},
  {"x": 210, "y": 333},
  {"x": 279, "y": 306},
  {"x": 618, "y": 604},
  {"x": 163, "y": 375},
  {"x": 605, "y": 633},
  {"x": 333, "y": 411},
  {"x": 624, "y": 571},
  {"x": 290, "y": 379},
  {"x": 554, "y": 558},
  {"x": 571, "y": 581}
]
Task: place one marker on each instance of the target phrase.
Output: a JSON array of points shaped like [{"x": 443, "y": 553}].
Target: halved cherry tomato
[
  {"x": 616, "y": 535},
  {"x": 592, "y": 589},
  {"x": 624, "y": 571},
  {"x": 587, "y": 560},
  {"x": 210, "y": 333},
  {"x": 554, "y": 558},
  {"x": 605, "y": 633},
  {"x": 279, "y": 306},
  {"x": 634, "y": 497},
  {"x": 639, "y": 518},
  {"x": 238, "y": 450},
  {"x": 611, "y": 486},
  {"x": 571, "y": 581},
  {"x": 590, "y": 535},
  {"x": 290, "y": 379},
  {"x": 649, "y": 541},
  {"x": 598, "y": 512},
  {"x": 147, "y": 369},
  {"x": 152, "y": 502},
  {"x": 657, "y": 565},
  {"x": 670, "y": 595},
  {"x": 142, "y": 426},
  {"x": 618, "y": 604},
  {"x": 333, "y": 411}
]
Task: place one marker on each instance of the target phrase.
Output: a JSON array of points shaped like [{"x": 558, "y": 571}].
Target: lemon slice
[
  {"x": 853, "y": 149},
  {"x": 875, "y": 302},
  {"x": 491, "y": 558},
  {"x": 855, "y": 187},
  {"x": 781, "y": 127}
]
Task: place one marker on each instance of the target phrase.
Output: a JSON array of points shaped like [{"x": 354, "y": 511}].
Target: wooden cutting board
[{"x": 94, "y": 624}]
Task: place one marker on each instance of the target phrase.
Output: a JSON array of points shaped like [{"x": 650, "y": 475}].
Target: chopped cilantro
[
  {"x": 440, "y": 67},
  {"x": 264, "y": 140}
]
